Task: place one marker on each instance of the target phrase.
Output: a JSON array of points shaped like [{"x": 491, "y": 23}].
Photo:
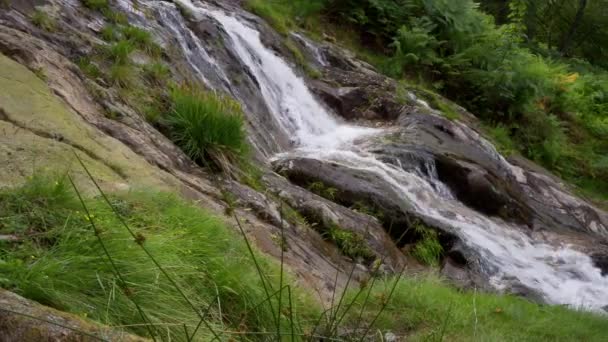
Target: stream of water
[{"x": 560, "y": 274}]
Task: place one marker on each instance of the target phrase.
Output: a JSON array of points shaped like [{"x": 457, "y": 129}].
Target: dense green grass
[
  {"x": 425, "y": 309},
  {"x": 59, "y": 261},
  {"x": 206, "y": 125}
]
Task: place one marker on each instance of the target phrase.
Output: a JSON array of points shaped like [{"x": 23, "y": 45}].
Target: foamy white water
[{"x": 560, "y": 274}]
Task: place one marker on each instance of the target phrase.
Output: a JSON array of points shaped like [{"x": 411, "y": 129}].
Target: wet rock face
[{"x": 359, "y": 96}]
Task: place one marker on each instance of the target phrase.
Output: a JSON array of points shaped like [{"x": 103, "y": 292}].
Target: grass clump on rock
[
  {"x": 42, "y": 20},
  {"x": 142, "y": 39},
  {"x": 206, "y": 125},
  {"x": 97, "y": 5}
]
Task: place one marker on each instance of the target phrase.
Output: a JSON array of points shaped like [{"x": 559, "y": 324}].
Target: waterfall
[{"x": 560, "y": 274}]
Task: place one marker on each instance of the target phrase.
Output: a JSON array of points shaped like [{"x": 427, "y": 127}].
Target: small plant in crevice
[
  {"x": 365, "y": 208},
  {"x": 43, "y": 20},
  {"x": 207, "y": 126},
  {"x": 428, "y": 249},
  {"x": 301, "y": 60},
  {"x": 323, "y": 190},
  {"x": 88, "y": 67},
  {"x": 351, "y": 244},
  {"x": 231, "y": 201}
]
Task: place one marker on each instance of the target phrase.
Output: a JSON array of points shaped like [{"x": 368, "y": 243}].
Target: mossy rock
[{"x": 39, "y": 132}]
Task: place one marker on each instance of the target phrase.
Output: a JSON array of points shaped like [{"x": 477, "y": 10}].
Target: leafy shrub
[
  {"x": 206, "y": 125},
  {"x": 502, "y": 139}
]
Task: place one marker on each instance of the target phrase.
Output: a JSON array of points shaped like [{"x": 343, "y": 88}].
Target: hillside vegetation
[{"x": 536, "y": 80}]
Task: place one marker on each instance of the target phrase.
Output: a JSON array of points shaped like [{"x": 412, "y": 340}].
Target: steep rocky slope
[{"x": 422, "y": 167}]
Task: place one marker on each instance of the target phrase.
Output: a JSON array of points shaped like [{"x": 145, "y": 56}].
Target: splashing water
[{"x": 560, "y": 274}]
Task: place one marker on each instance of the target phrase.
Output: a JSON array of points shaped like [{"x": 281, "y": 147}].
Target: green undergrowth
[
  {"x": 145, "y": 276},
  {"x": 59, "y": 262},
  {"x": 426, "y": 309}
]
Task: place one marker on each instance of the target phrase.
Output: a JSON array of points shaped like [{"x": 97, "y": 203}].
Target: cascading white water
[
  {"x": 560, "y": 274},
  {"x": 286, "y": 94}
]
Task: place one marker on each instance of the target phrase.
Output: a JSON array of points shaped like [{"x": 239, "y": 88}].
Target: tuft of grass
[
  {"x": 110, "y": 33},
  {"x": 366, "y": 208},
  {"x": 88, "y": 67},
  {"x": 43, "y": 21},
  {"x": 115, "y": 17},
  {"x": 41, "y": 73},
  {"x": 350, "y": 244},
  {"x": 122, "y": 75},
  {"x": 427, "y": 250},
  {"x": 120, "y": 51},
  {"x": 158, "y": 73},
  {"x": 206, "y": 125},
  {"x": 323, "y": 190},
  {"x": 142, "y": 39},
  {"x": 96, "y": 5}
]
